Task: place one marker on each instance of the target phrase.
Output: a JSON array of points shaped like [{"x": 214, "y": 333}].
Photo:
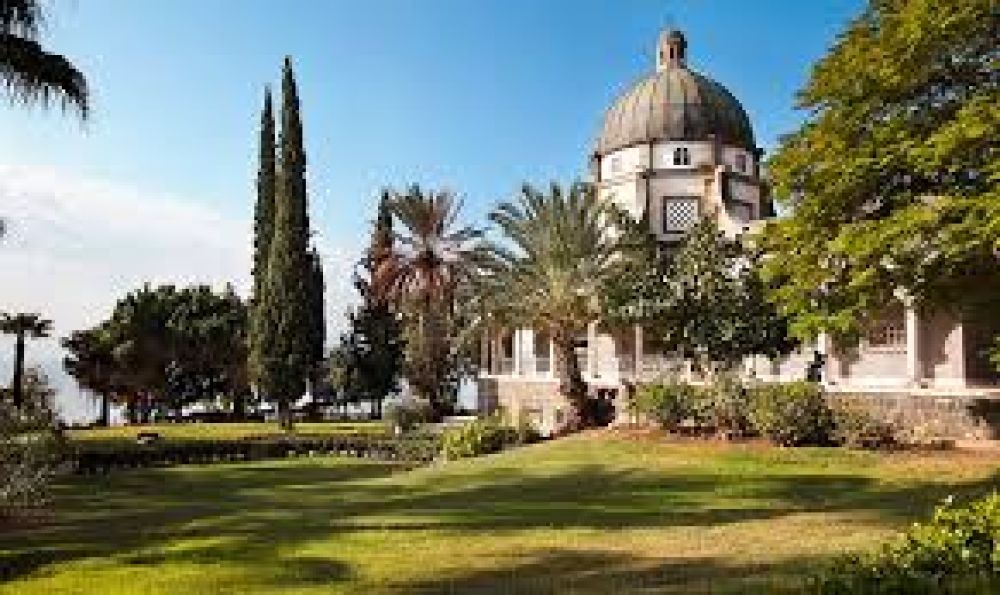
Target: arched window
[{"x": 682, "y": 156}]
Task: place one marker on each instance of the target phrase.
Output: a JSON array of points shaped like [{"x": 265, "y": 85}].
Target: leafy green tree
[
  {"x": 709, "y": 303},
  {"x": 22, "y": 326},
  {"x": 286, "y": 300},
  {"x": 28, "y": 72},
  {"x": 144, "y": 349},
  {"x": 564, "y": 246},
  {"x": 431, "y": 261},
  {"x": 91, "y": 361},
  {"x": 891, "y": 182},
  {"x": 208, "y": 340},
  {"x": 261, "y": 328},
  {"x": 163, "y": 348}
]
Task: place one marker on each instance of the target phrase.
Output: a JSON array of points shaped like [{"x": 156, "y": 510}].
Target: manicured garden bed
[
  {"x": 593, "y": 513},
  {"x": 92, "y": 457},
  {"x": 217, "y": 431}
]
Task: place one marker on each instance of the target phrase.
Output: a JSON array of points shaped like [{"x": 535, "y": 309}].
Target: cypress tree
[
  {"x": 373, "y": 347},
  {"x": 287, "y": 297},
  {"x": 261, "y": 332},
  {"x": 317, "y": 323},
  {"x": 381, "y": 244}
]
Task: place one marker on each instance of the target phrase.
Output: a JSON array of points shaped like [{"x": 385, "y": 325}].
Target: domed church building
[
  {"x": 678, "y": 146},
  {"x": 675, "y": 147}
]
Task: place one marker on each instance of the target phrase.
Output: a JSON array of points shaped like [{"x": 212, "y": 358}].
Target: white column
[
  {"x": 638, "y": 353},
  {"x": 914, "y": 361},
  {"x": 529, "y": 366},
  {"x": 956, "y": 355},
  {"x": 552, "y": 359},
  {"x": 517, "y": 352}
]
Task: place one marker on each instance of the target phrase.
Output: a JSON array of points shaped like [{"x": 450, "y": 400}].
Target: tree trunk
[
  {"x": 284, "y": 415},
  {"x": 18, "y": 383},
  {"x": 132, "y": 410},
  {"x": 571, "y": 383},
  {"x": 239, "y": 405},
  {"x": 105, "y": 418}
]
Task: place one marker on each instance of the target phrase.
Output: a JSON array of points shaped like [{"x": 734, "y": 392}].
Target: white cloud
[{"x": 74, "y": 245}]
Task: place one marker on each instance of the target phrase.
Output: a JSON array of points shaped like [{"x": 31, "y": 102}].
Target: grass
[
  {"x": 213, "y": 431},
  {"x": 587, "y": 514}
]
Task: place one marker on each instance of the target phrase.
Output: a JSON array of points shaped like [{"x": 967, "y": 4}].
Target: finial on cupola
[{"x": 672, "y": 52}]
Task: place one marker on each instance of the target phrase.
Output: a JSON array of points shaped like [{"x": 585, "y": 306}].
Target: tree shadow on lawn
[
  {"x": 247, "y": 514},
  {"x": 574, "y": 571}
]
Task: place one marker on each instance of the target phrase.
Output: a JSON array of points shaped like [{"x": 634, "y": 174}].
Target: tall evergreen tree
[
  {"x": 369, "y": 361},
  {"x": 317, "y": 319},
  {"x": 286, "y": 299},
  {"x": 261, "y": 330}
]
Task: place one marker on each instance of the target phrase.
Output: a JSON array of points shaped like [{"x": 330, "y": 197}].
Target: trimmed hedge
[
  {"x": 957, "y": 551},
  {"x": 97, "y": 458}
]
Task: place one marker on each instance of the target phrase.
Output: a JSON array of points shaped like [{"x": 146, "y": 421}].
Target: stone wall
[
  {"x": 957, "y": 417},
  {"x": 965, "y": 416},
  {"x": 537, "y": 400}
]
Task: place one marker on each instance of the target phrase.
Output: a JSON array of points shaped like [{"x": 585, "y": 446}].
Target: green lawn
[
  {"x": 587, "y": 514},
  {"x": 212, "y": 431}
]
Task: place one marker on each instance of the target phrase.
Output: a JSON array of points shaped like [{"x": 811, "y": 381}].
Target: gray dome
[{"x": 675, "y": 103}]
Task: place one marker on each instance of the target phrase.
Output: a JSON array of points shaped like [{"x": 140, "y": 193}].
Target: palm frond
[
  {"x": 20, "y": 17},
  {"x": 30, "y": 74}
]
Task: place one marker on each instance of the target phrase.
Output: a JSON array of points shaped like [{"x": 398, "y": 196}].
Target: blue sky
[
  {"x": 471, "y": 94},
  {"x": 475, "y": 95}
]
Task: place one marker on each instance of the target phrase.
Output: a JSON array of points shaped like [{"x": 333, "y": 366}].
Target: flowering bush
[
  {"x": 957, "y": 551},
  {"x": 28, "y": 459}
]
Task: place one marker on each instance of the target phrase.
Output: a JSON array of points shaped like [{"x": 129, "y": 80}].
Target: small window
[
  {"x": 679, "y": 213},
  {"x": 616, "y": 165},
  {"x": 741, "y": 163},
  {"x": 682, "y": 156}
]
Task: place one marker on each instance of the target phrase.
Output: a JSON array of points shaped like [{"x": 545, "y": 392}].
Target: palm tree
[
  {"x": 29, "y": 73},
  {"x": 563, "y": 247},
  {"x": 21, "y": 326},
  {"x": 432, "y": 256},
  {"x": 431, "y": 260}
]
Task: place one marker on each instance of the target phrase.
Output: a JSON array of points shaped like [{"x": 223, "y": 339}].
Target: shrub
[
  {"x": 407, "y": 415},
  {"x": 670, "y": 404},
  {"x": 525, "y": 430},
  {"x": 791, "y": 414},
  {"x": 28, "y": 459},
  {"x": 855, "y": 426},
  {"x": 957, "y": 551},
  {"x": 726, "y": 408},
  {"x": 484, "y": 436}
]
